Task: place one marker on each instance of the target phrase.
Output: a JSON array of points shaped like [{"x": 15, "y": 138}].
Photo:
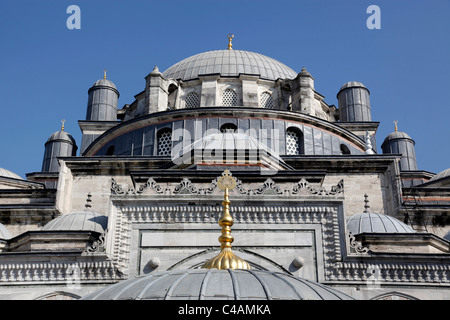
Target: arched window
[
  {"x": 228, "y": 127},
  {"x": 110, "y": 151},
  {"x": 229, "y": 98},
  {"x": 164, "y": 142},
  {"x": 344, "y": 149},
  {"x": 294, "y": 141},
  {"x": 192, "y": 100},
  {"x": 266, "y": 100}
]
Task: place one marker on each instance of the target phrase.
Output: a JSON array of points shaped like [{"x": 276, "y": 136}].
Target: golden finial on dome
[
  {"x": 230, "y": 37},
  {"x": 62, "y": 124},
  {"x": 395, "y": 123},
  {"x": 226, "y": 259},
  {"x": 104, "y": 73}
]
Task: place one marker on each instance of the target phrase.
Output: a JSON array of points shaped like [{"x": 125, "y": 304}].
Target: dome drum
[{"x": 354, "y": 103}]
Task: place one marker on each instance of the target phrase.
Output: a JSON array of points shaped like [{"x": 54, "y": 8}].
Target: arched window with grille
[
  {"x": 266, "y": 101},
  {"x": 294, "y": 141},
  {"x": 229, "y": 98},
  {"x": 164, "y": 137},
  {"x": 192, "y": 100}
]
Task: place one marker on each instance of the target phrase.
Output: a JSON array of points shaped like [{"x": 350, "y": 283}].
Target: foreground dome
[
  {"x": 214, "y": 284},
  {"x": 78, "y": 221},
  {"x": 229, "y": 63},
  {"x": 369, "y": 222}
]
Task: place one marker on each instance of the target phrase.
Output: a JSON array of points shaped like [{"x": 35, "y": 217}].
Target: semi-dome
[
  {"x": 9, "y": 174},
  {"x": 441, "y": 175},
  {"x": 78, "y": 221},
  {"x": 229, "y": 63},
  {"x": 369, "y": 222},
  {"x": 214, "y": 284},
  {"x": 4, "y": 233}
]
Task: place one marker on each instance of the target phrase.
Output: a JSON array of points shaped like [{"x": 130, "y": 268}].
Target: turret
[
  {"x": 400, "y": 143},
  {"x": 102, "y": 101},
  {"x": 60, "y": 144},
  {"x": 354, "y": 103}
]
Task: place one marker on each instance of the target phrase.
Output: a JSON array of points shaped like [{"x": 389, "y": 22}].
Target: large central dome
[{"x": 229, "y": 63}]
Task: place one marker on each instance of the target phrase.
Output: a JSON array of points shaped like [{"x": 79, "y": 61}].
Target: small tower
[
  {"x": 60, "y": 144},
  {"x": 400, "y": 143},
  {"x": 354, "y": 102},
  {"x": 102, "y": 101}
]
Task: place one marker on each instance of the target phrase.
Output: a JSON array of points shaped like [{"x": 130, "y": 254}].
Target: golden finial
[
  {"x": 104, "y": 73},
  {"x": 62, "y": 124},
  {"x": 230, "y": 37},
  {"x": 395, "y": 123},
  {"x": 226, "y": 259}
]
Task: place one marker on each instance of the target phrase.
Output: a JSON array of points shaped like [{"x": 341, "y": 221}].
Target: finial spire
[
  {"x": 62, "y": 124},
  {"x": 230, "y": 37},
  {"x": 366, "y": 203},
  {"x": 104, "y": 73},
  {"x": 395, "y": 123},
  {"x": 226, "y": 259}
]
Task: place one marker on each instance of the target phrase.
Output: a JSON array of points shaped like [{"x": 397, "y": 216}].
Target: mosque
[{"x": 228, "y": 177}]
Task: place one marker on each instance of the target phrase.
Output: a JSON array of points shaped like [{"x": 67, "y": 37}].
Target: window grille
[
  {"x": 192, "y": 100},
  {"x": 229, "y": 98},
  {"x": 266, "y": 100},
  {"x": 292, "y": 142},
  {"x": 164, "y": 143}
]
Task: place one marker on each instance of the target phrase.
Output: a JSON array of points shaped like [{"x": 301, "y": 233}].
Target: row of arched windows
[
  {"x": 229, "y": 99},
  {"x": 294, "y": 141}
]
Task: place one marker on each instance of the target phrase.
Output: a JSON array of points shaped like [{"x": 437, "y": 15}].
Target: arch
[
  {"x": 344, "y": 149},
  {"x": 59, "y": 295},
  {"x": 164, "y": 142},
  {"x": 192, "y": 100},
  {"x": 294, "y": 141},
  {"x": 228, "y": 127},
  {"x": 229, "y": 98},
  {"x": 266, "y": 100},
  {"x": 394, "y": 296}
]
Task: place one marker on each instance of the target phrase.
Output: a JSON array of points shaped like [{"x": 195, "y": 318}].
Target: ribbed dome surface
[
  {"x": 440, "y": 175},
  {"x": 214, "y": 284},
  {"x": 376, "y": 223},
  {"x": 229, "y": 63},
  {"x": 104, "y": 83},
  {"x": 4, "y": 233},
  {"x": 61, "y": 136},
  {"x": 9, "y": 174},
  {"x": 78, "y": 221}
]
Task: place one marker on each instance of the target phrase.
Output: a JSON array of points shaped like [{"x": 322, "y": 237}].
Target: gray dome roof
[
  {"x": 104, "y": 83},
  {"x": 9, "y": 174},
  {"x": 229, "y": 63},
  {"x": 61, "y": 136},
  {"x": 441, "y": 175},
  {"x": 376, "y": 223},
  {"x": 208, "y": 284},
  {"x": 397, "y": 135},
  {"x": 352, "y": 84},
  {"x": 4, "y": 233},
  {"x": 78, "y": 221}
]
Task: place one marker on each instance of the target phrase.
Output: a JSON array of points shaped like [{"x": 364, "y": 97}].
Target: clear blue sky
[{"x": 46, "y": 69}]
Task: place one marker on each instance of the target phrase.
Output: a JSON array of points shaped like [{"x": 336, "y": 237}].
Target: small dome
[
  {"x": 376, "y": 223},
  {"x": 61, "y": 136},
  {"x": 397, "y": 135},
  {"x": 78, "y": 221},
  {"x": 104, "y": 83},
  {"x": 229, "y": 63},
  {"x": 352, "y": 84},
  {"x": 208, "y": 284},
  {"x": 441, "y": 175},
  {"x": 4, "y": 233},
  {"x": 9, "y": 174}
]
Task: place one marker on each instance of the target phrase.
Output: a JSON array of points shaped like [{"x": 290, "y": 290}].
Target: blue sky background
[{"x": 47, "y": 69}]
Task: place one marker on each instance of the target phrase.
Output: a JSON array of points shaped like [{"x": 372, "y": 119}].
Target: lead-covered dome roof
[
  {"x": 78, "y": 221},
  {"x": 209, "y": 284},
  {"x": 369, "y": 222},
  {"x": 229, "y": 63},
  {"x": 9, "y": 174}
]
